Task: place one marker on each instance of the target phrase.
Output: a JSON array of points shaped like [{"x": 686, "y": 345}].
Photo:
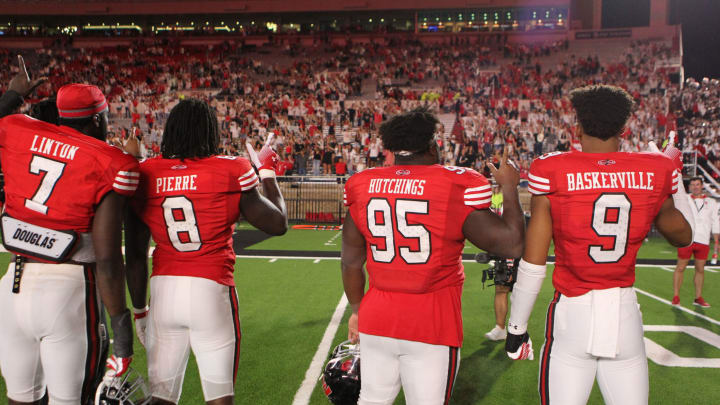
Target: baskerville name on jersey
[
  {"x": 397, "y": 186},
  {"x": 53, "y": 147},
  {"x": 600, "y": 180},
  {"x": 176, "y": 183}
]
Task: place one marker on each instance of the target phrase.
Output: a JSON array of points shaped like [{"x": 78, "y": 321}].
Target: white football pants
[
  {"x": 426, "y": 372},
  {"x": 567, "y": 370},
  {"x": 50, "y": 333},
  {"x": 192, "y": 313}
]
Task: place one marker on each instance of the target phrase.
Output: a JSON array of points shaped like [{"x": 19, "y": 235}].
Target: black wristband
[
  {"x": 513, "y": 342},
  {"x": 122, "y": 334}
]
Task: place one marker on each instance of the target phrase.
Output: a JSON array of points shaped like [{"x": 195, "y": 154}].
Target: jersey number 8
[
  {"x": 185, "y": 225},
  {"x": 385, "y": 230}
]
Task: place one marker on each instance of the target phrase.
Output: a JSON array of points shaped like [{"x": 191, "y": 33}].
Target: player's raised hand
[
  {"x": 21, "y": 82},
  {"x": 670, "y": 151},
  {"x": 506, "y": 174},
  {"x": 519, "y": 347},
  {"x": 132, "y": 146},
  {"x": 266, "y": 160}
]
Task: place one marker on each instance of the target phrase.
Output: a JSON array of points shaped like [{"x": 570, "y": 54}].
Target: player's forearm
[
  {"x": 524, "y": 295},
  {"x": 514, "y": 220},
  {"x": 354, "y": 284},
  {"x": 278, "y": 220},
  {"x": 111, "y": 285},
  {"x": 137, "y": 276}
]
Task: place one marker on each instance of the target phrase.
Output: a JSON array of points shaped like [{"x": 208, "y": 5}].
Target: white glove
[
  {"x": 140, "y": 317},
  {"x": 266, "y": 160},
  {"x": 117, "y": 366}
]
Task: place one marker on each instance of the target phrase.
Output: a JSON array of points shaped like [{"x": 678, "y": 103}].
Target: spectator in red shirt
[{"x": 340, "y": 167}]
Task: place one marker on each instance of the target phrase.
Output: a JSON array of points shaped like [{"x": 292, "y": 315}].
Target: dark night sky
[{"x": 700, "y": 21}]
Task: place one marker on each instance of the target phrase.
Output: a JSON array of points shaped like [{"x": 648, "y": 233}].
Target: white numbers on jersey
[
  {"x": 53, "y": 171},
  {"x": 617, "y": 226},
  {"x": 550, "y": 154},
  {"x": 455, "y": 169},
  {"x": 188, "y": 225},
  {"x": 385, "y": 230}
]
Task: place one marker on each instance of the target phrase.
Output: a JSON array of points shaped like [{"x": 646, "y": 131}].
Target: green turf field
[{"x": 286, "y": 306}]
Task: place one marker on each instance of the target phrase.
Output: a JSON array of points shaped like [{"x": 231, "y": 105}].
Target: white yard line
[
  {"x": 272, "y": 260},
  {"x": 302, "y": 396},
  {"x": 664, "y": 301},
  {"x": 316, "y": 261},
  {"x": 332, "y": 240}
]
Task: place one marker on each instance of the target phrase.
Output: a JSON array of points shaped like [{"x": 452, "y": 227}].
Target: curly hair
[
  {"x": 191, "y": 131},
  {"x": 412, "y": 131},
  {"x": 602, "y": 110}
]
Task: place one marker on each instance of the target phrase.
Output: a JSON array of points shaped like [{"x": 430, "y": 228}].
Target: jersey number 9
[{"x": 611, "y": 218}]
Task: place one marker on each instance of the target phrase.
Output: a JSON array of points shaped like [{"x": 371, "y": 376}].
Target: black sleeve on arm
[{"x": 9, "y": 102}]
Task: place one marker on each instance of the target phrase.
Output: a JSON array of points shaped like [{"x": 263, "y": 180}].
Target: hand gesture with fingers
[
  {"x": 132, "y": 145},
  {"x": 264, "y": 161},
  {"x": 506, "y": 175},
  {"x": 21, "y": 82}
]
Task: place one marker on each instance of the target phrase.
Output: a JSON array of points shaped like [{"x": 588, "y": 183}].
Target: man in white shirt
[{"x": 707, "y": 221}]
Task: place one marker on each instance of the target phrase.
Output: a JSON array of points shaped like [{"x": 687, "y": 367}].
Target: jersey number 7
[
  {"x": 384, "y": 229},
  {"x": 53, "y": 171}
]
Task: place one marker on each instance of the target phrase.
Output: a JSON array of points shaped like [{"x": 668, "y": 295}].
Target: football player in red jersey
[
  {"x": 65, "y": 191},
  {"x": 410, "y": 222},
  {"x": 188, "y": 200},
  {"x": 597, "y": 205}
]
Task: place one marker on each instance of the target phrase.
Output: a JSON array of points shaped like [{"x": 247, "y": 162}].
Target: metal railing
[
  {"x": 314, "y": 199},
  {"x": 696, "y": 169}
]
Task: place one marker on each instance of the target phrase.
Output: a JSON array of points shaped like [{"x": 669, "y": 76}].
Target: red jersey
[
  {"x": 191, "y": 207},
  {"x": 412, "y": 219},
  {"x": 55, "y": 176},
  {"x": 602, "y": 207}
]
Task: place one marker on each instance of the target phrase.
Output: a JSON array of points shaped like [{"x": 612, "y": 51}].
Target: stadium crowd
[{"x": 325, "y": 103}]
